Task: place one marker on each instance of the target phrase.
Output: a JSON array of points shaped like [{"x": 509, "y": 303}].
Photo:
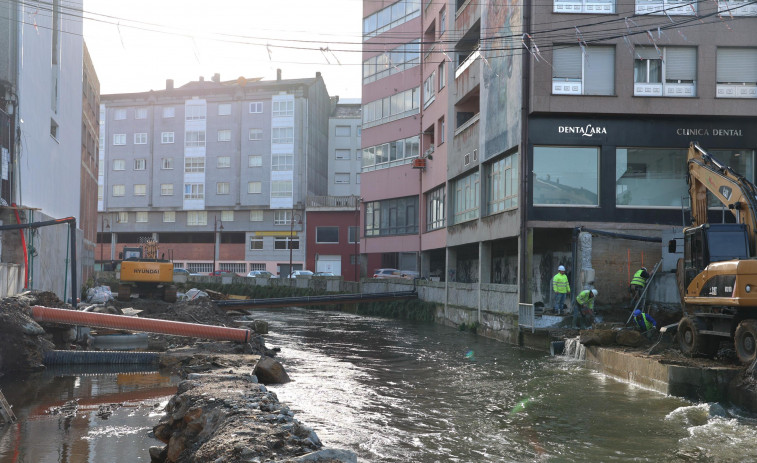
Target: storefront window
[{"x": 566, "y": 175}]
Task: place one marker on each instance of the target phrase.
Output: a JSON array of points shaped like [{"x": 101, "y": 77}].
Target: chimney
[
  {"x": 318, "y": 74},
  {"x": 202, "y": 79},
  {"x": 278, "y": 74},
  {"x": 169, "y": 84},
  {"x": 216, "y": 78}
]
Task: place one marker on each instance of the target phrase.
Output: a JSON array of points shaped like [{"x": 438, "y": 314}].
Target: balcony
[
  {"x": 349, "y": 202},
  {"x": 468, "y": 75},
  {"x": 584, "y": 6},
  {"x": 465, "y": 140},
  {"x": 683, "y": 90},
  {"x": 736, "y": 91},
  {"x": 467, "y": 14},
  {"x": 737, "y": 8},
  {"x": 567, "y": 87},
  {"x": 669, "y": 7}
]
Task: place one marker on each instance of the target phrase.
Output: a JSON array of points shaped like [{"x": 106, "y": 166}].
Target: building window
[
  {"x": 194, "y": 112},
  {"x": 224, "y": 109},
  {"x": 194, "y": 191},
  {"x": 736, "y": 73},
  {"x": 442, "y": 131},
  {"x": 256, "y": 243},
  {"x": 566, "y": 175},
  {"x": 100, "y": 192},
  {"x": 327, "y": 235},
  {"x": 357, "y": 178},
  {"x": 393, "y": 107},
  {"x": 584, "y": 6},
  {"x": 467, "y": 198},
  {"x": 227, "y": 216},
  {"x": 119, "y": 190},
  {"x": 282, "y": 135},
  {"x": 666, "y": 7},
  {"x": 254, "y": 160},
  {"x": 280, "y": 162},
  {"x": 442, "y": 75},
  {"x": 256, "y": 107},
  {"x": 223, "y": 162},
  {"x": 578, "y": 72},
  {"x": 283, "y": 108},
  {"x": 257, "y": 267},
  {"x": 194, "y": 138},
  {"x": 256, "y": 134},
  {"x": 353, "y": 235},
  {"x": 197, "y": 218},
  {"x": 166, "y": 163},
  {"x": 119, "y": 139},
  {"x": 169, "y": 216},
  {"x": 169, "y": 111},
  {"x": 392, "y": 217},
  {"x": 141, "y": 217},
  {"x": 224, "y": 135},
  {"x": 502, "y": 184},
  {"x": 281, "y": 189},
  {"x": 390, "y": 17},
  {"x": 166, "y": 137},
  {"x": 671, "y": 71},
  {"x": 286, "y": 242},
  {"x": 140, "y": 189},
  {"x": 122, "y": 217},
  {"x": 390, "y": 154},
  {"x": 119, "y": 164},
  {"x": 442, "y": 22},
  {"x": 435, "y": 212},
  {"x": 256, "y": 216},
  {"x": 166, "y": 189},
  {"x": 140, "y": 113},
  {"x": 429, "y": 91},
  {"x": 342, "y": 177},
  {"x": 343, "y": 154},
  {"x": 282, "y": 217},
  {"x": 222, "y": 188},
  {"x": 194, "y": 165},
  {"x": 140, "y": 138},
  {"x": 119, "y": 114},
  {"x": 342, "y": 131},
  {"x": 254, "y": 188},
  {"x": 140, "y": 164}
]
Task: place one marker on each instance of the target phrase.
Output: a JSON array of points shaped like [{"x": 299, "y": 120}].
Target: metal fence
[{"x": 526, "y": 316}]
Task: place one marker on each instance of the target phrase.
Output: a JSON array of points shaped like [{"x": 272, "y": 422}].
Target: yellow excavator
[
  {"x": 142, "y": 270},
  {"x": 717, "y": 277}
]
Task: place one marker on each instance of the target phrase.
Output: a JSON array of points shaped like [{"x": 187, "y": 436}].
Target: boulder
[
  {"x": 270, "y": 371},
  {"x": 597, "y": 337},
  {"x": 260, "y": 326},
  {"x": 631, "y": 338}
]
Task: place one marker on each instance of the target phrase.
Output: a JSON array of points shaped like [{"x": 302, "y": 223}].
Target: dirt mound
[{"x": 24, "y": 340}]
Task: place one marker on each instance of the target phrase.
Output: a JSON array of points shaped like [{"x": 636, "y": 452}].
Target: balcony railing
[
  {"x": 736, "y": 91},
  {"x": 332, "y": 201}
]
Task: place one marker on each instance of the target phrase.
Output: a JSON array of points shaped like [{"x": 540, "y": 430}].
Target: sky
[{"x": 138, "y": 44}]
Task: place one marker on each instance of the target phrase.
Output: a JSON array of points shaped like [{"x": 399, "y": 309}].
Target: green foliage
[
  {"x": 472, "y": 327},
  {"x": 411, "y": 309}
]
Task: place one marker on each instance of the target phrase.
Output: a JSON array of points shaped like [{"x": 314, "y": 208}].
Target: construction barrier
[{"x": 149, "y": 325}]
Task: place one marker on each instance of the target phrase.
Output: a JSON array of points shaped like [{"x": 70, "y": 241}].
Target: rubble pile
[{"x": 24, "y": 340}]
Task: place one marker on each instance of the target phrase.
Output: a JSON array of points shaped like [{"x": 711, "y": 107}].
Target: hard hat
[
  {"x": 636, "y": 313},
  {"x": 644, "y": 268},
  {"x": 561, "y": 268},
  {"x": 594, "y": 292}
]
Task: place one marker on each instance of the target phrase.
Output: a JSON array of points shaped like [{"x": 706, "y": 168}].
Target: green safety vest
[
  {"x": 638, "y": 280},
  {"x": 647, "y": 324},
  {"x": 560, "y": 284},
  {"x": 584, "y": 299}
]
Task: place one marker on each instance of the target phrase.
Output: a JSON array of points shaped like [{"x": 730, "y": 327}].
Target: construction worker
[
  {"x": 583, "y": 310},
  {"x": 638, "y": 282},
  {"x": 644, "y": 323},
  {"x": 561, "y": 288}
]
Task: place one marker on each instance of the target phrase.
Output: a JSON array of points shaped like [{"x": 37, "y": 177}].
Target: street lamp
[
  {"x": 289, "y": 242},
  {"x": 216, "y": 240}
]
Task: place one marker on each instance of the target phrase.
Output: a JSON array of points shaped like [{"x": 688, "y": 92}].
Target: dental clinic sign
[
  {"x": 585, "y": 131},
  {"x": 709, "y": 132}
]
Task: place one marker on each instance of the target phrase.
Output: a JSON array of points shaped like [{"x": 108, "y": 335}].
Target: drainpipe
[{"x": 525, "y": 175}]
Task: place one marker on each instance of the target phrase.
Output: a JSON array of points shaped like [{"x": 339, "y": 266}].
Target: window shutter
[
  {"x": 599, "y": 66},
  {"x": 566, "y": 63},
  {"x": 646, "y": 53},
  {"x": 737, "y": 65},
  {"x": 681, "y": 63}
]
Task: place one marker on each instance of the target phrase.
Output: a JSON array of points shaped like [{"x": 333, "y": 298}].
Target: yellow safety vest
[
  {"x": 560, "y": 283},
  {"x": 638, "y": 280}
]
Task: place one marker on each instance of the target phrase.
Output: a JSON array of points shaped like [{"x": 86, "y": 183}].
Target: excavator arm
[{"x": 732, "y": 189}]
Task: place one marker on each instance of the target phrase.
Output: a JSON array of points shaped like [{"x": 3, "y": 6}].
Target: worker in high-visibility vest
[
  {"x": 583, "y": 310},
  {"x": 561, "y": 288},
  {"x": 638, "y": 282},
  {"x": 644, "y": 323}
]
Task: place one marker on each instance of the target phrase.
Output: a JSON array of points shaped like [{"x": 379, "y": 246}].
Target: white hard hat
[
  {"x": 594, "y": 292},
  {"x": 561, "y": 268}
]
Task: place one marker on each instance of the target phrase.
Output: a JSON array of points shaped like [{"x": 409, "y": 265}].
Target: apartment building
[
  {"x": 345, "y": 153},
  {"x": 215, "y": 171},
  {"x": 89, "y": 158},
  {"x": 563, "y": 115}
]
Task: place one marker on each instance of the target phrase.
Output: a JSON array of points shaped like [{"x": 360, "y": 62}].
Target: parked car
[
  {"x": 220, "y": 273},
  {"x": 325, "y": 274},
  {"x": 409, "y": 274},
  {"x": 260, "y": 274},
  {"x": 387, "y": 273},
  {"x": 181, "y": 271},
  {"x": 301, "y": 273}
]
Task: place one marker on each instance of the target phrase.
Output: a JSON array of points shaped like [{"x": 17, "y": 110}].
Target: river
[{"x": 395, "y": 391}]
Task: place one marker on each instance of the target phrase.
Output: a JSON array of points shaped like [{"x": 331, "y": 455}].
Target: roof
[{"x": 347, "y": 111}]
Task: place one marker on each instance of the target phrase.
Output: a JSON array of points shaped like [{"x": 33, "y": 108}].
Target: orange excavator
[
  {"x": 717, "y": 277},
  {"x": 141, "y": 269}
]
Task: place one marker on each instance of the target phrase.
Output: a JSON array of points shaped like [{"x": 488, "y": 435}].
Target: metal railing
[{"x": 526, "y": 316}]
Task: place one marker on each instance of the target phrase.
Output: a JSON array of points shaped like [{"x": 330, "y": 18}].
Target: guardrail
[{"x": 526, "y": 316}]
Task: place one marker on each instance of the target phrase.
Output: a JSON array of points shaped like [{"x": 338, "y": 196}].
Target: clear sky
[{"x": 136, "y": 45}]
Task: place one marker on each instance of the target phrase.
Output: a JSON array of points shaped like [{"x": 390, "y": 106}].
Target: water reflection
[
  {"x": 88, "y": 418},
  {"x": 398, "y": 391}
]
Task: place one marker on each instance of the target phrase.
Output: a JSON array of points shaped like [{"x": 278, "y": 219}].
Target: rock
[
  {"x": 597, "y": 337},
  {"x": 631, "y": 338},
  {"x": 176, "y": 445},
  {"x": 260, "y": 326},
  {"x": 270, "y": 371},
  {"x": 157, "y": 454},
  {"x": 328, "y": 455}
]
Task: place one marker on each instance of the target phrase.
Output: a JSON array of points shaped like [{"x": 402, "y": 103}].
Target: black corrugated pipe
[
  {"x": 624, "y": 236},
  {"x": 89, "y": 357}
]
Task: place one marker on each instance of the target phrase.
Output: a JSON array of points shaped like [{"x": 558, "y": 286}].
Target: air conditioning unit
[{"x": 419, "y": 163}]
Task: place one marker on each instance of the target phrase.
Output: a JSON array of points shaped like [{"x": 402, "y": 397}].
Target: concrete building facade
[
  {"x": 215, "y": 171},
  {"x": 345, "y": 153}
]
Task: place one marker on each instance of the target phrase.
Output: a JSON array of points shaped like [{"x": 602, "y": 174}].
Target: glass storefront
[{"x": 566, "y": 175}]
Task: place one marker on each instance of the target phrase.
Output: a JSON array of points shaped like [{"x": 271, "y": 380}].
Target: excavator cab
[{"x": 709, "y": 243}]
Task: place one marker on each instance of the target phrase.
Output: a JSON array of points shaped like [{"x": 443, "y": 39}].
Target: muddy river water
[{"x": 397, "y": 391}]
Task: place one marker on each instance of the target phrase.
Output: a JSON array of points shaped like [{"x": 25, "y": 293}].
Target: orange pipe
[{"x": 149, "y": 325}]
